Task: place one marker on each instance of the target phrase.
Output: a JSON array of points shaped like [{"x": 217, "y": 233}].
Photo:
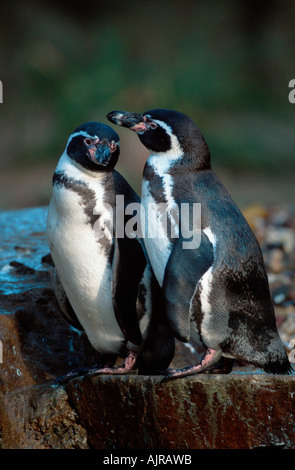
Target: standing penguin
[
  {"x": 219, "y": 287},
  {"x": 104, "y": 281}
]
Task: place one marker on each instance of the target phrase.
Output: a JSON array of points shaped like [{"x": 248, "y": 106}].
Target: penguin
[
  {"x": 218, "y": 287},
  {"x": 103, "y": 280}
]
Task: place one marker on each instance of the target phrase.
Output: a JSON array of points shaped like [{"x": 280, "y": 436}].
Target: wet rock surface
[
  {"x": 40, "y": 417},
  {"x": 244, "y": 409},
  {"x": 201, "y": 412}
]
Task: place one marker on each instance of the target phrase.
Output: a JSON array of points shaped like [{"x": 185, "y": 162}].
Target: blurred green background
[{"x": 225, "y": 63}]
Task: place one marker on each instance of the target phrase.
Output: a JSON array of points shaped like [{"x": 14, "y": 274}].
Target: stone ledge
[
  {"x": 136, "y": 412},
  {"x": 201, "y": 412}
]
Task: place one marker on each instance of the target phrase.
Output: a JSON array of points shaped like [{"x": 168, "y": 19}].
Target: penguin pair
[
  {"x": 219, "y": 286},
  {"x": 104, "y": 281}
]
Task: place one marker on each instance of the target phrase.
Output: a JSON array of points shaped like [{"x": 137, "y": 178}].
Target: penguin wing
[
  {"x": 184, "y": 269},
  {"x": 64, "y": 303},
  {"x": 129, "y": 263}
]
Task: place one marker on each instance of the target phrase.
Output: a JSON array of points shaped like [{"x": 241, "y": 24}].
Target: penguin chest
[
  {"x": 82, "y": 257},
  {"x": 160, "y": 209},
  {"x": 161, "y": 224}
]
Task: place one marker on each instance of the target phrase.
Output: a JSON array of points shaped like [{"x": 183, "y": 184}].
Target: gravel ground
[{"x": 275, "y": 229}]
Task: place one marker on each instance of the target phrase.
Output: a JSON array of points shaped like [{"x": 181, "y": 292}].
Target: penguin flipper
[
  {"x": 129, "y": 262},
  {"x": 64, "y": 303},
  {"x": 184, "y": 269}
]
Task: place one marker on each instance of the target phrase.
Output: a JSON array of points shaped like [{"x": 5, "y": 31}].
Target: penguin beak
[
  {"x": 101, "y": 152},
  {"x": 138, "y": 123},
  {"x": 101, "y": 155}
]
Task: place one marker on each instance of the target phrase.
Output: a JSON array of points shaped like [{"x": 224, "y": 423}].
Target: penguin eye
[
  {"x": 88, "y": 141},
  {"x": 92, "y": 142},
  {"x": 150, "y": 124}
]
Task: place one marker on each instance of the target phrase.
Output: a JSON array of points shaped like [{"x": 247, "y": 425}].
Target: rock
[
  {"x": 40, "y": 417},
  {"x": 275, "y": 260},
  {"x": 37, "y": 346},
  {"x": 281, "y": 237},
  {"x": 287, "y": 330},
  {"x": 200, "y": 412},
  {"x": 235, "y": 411}
]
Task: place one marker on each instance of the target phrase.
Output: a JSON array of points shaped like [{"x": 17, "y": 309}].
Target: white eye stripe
[
  {"x": 165, "y": 126},
  {"x": 83, "y": 134},
  {"x": 86, "y": 135}
]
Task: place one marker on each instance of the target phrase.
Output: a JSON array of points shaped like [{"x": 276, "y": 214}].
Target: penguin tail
[
  {"x": 276, "y": 360},
  {"x": 282, "y": 367},
  {"x": 271, "y": 357}
]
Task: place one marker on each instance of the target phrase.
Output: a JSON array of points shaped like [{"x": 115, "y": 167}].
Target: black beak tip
[
  {"x": 125, "y": 118},
  {"x": 112, "y": 116}
]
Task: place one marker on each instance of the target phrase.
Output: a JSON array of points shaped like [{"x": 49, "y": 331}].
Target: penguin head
[
  {"x": 94, "y": 146},
  {"x": 166, "y": 132}
]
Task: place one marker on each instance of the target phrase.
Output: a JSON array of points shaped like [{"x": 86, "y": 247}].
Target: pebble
[
  {"x": 274, "y": 228},
  {"x": 282, "y": 237}
]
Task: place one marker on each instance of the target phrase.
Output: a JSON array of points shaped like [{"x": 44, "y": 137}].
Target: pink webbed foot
[
  {"x": 210, "y": 358},
  {"x": 104, "y": 367},
  {"x": 127, "y": 367}
]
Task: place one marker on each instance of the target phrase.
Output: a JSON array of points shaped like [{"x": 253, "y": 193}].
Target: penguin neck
[
  {"x": 187, "y": 154},
  {"x": 184, "y": 161},
  {"x": 163, "y": 161},
  {"x": 75, "y": 170}
]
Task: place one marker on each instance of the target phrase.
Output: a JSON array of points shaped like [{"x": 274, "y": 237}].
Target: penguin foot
[
  {"x": 127, "y": 367},
  {"x": 223, "y": 366},
  {"x": 210, "y": 358},
  {"x": 63, "y": 379},
  {"x": 105, "y": 360}
]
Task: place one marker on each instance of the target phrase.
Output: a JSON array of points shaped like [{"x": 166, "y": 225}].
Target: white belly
[
  {"x": 83, "y": 269},
  {"x": 157, "y": 238},
  {"x": 157, "y": 242}
]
